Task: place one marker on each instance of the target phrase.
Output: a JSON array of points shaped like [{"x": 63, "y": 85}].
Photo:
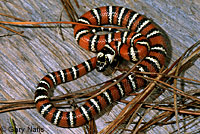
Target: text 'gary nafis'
[{"x": 24, "y": 129}]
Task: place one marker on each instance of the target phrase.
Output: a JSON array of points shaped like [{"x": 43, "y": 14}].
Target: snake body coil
[{"x": 142, "y": 41}]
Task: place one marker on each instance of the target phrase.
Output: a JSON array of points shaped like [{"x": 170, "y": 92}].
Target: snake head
[{"x": 105, "y": 58}]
